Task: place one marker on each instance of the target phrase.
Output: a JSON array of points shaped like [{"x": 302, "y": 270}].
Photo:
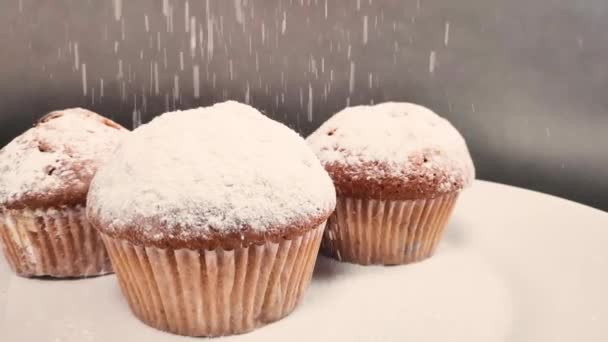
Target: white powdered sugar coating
[
  {"x": 61, "y": 152},
  {"x": 224, "y": 168},
  {"x": 394, "y": 134}
]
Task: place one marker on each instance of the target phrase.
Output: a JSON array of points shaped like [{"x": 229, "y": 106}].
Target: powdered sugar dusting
[
  {"x": 221, "y": 168},
  {"x": 394, "y": 135},
  {"x": 62, "y": 152}
]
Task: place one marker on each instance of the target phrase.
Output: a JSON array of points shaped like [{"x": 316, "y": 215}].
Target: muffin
[
  {"x": 398, "y": 169},
  {"x": 213, "y": 219},
  {"x": 44, "y": 178}
]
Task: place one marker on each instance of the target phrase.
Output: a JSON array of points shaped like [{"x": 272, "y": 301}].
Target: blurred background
[{"x": 524, "y": 81}]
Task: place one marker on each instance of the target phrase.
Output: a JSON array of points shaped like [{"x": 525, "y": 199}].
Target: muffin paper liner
[
  {"x": 57, "y": 242},
  {"x": 367, "y": 231},
  {"x": 214, "y": 292}
]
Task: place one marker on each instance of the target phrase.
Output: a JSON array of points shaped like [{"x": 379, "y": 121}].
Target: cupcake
[
  {"x": 44, "y": 178},
  {"x": 213, "y": 219},
  {"x": 398, "y": 169}
]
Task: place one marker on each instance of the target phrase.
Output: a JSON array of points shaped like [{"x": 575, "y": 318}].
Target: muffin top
[
  {"x": 224, "y": 175},
  {"x": 399, "y": 151},
  {"x": 52, "y": 163}
]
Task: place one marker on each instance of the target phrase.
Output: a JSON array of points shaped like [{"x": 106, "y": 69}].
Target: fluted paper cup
[
  {"x": 57, "y": 242},
  {"x": 368, "y": 231},
  {"x": 214, "y": 292}
]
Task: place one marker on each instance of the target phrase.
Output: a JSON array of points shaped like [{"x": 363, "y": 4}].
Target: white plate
[{"x": 515, "y": 265}]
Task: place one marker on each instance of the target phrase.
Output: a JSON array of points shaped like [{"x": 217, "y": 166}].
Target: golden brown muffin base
[
  {"x": 56, "y": 242},
  {"x": 367, "y": 231},
  {"x": 215, "y": 292}
]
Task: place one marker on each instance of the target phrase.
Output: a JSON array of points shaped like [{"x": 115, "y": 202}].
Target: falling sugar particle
[
  {"x": 263, "y": 33},
  {"x": 238, "y": 9},
  {"x": 473, "y": 108},
  {"x": 120, "y": 73},
  {"x": 370, "y": 80},
  {"x": 200, "y": 38},
  {"x": 579, "y": 40},
  {"x": 187, "y": 15},
  {"x": 170, "y": 20},
  {"x": 446, "y": 34},
  {"x": 151, "y": 77},
  {"x": 166, "y": 7},
  {"x": 156, "y": 88},
  {"x": 418, "y": 5},
  {"x": 76, "y": 56},
  {"x": 181, "y": 60},
  {"x": 284, "y": 23},
  {"x": 192, "y": 36},
  {"x": 358, "y": 5},
  {"x": 231, "y": 74},
  {"x": 175, "y": 87},
  {"x": 101, "y": 87},
  {"x": 20, "y": 6},
  {"x": 136, "y": 119},
  {"x": 123, "y": 35},
  {"x": 117, "y": 9},
  {"x": 310, "y": 102},
  {"x": 364, "y": 30},
  {"x": 548, "y": 132},
  {"x": 146, "y": 23},
  {"x": 84, "y": 79},
  {"x": 325, "y": 9},
  {"x": 196, "y": 81},
  {"x": 209, "y": 38},
  {"x": 432, "y": 62},
  {"x": 247, "y": 95},
  {"x": 351, "y": 79}
]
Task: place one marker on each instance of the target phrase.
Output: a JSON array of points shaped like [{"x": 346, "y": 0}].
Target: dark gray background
[{"x": 524, "y": 81}]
